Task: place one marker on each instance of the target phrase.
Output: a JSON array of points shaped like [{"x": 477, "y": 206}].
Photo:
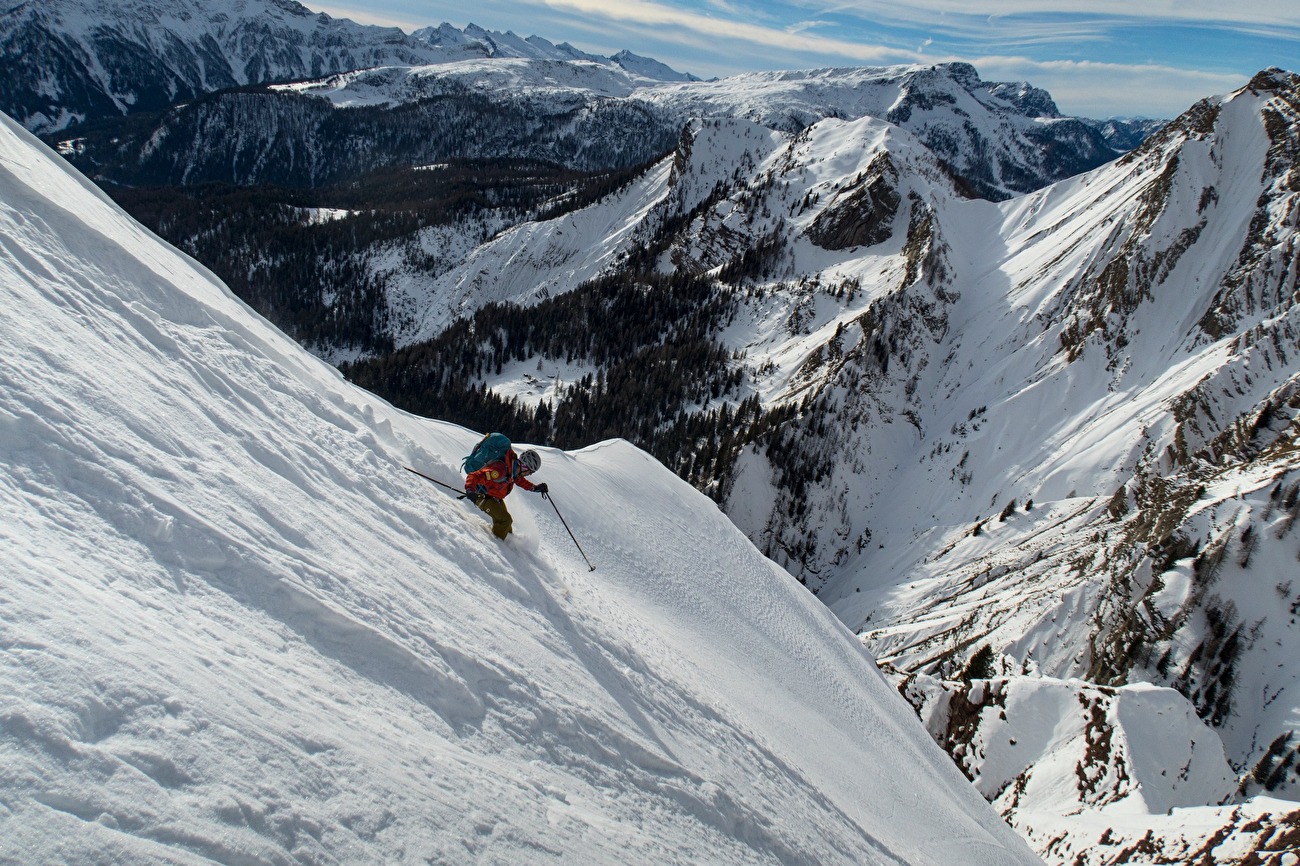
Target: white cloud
[
  {"x": 1284, "y": 13},
  {"x": 801, "y": 26},
  {"x": 658, "y": 15},
  {"x": 727, "y": 7}
]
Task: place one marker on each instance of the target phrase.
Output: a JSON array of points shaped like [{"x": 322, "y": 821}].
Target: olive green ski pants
[{"x": 496, "y": 509}]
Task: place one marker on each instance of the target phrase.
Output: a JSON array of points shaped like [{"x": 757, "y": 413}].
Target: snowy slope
[
  {"x": 743, "y": 146},
  {"x": 1077, "y": 343},
  {"x": 749, "y": 180},
  {"x": 1033, "y": 733},
  {"x": 234, "y": 629},
  {"x": 525, "y": 263},
  {"x": 995, "y": 140},
  {"x": 540, "y": 259}
]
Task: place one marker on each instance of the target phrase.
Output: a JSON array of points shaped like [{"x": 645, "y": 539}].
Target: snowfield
[{"x": 233, "y": 629}]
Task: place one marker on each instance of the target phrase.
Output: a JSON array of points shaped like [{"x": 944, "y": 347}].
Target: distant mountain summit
[
  {"x": 648, "y": 67},
  {"x": 1000, "y": 138},
  {"x": 69, "y": 61},
  {"x": 474, "y": 42}
]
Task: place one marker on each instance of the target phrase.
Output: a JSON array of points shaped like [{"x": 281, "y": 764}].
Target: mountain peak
[
  {"x": 293, "y": 7},
  {"x": 649, "y": 67},
  {"x": 1274, "y": 79},
  {"x": 495, "y": 44},
  {"x": 963, "y": 73}
]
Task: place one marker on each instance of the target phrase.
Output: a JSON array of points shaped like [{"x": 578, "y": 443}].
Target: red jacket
[{"x": 499, "y": 478}]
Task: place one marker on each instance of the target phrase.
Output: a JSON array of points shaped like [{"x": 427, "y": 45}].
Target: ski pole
[
  {"x": 460, "y": 494},
  {"x": 548, "y": 498}
]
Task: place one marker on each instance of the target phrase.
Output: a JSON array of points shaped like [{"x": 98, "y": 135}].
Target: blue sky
[{"x": 1098, "y": 58}]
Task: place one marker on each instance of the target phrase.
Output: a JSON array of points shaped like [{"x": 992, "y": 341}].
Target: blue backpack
[{"x": 491, "y": 448}]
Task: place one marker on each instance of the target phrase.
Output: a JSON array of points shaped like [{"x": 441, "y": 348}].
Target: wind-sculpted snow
[{"x": 235, "y": 630}]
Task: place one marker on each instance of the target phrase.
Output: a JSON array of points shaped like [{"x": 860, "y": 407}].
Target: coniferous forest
[
  {"x": 309, "y": 275},
  {"x": 662, "y": 380}
]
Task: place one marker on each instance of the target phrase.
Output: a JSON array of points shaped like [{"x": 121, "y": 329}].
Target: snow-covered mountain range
[
  {"x": 1056, "y": 435},
  {"x": 236, "y": 630},
  {"x": 999, "y": 139},
  {"x": 74, "y": 60},
  {"x": 69, "y": 61}
]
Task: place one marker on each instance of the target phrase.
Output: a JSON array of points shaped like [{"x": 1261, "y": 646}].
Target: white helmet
[{"x": 530, "y": 460}]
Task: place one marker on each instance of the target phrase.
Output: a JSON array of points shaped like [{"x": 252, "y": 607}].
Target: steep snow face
[
  {"x": 234, "y": 629},
  {"x": 99, "y": 58},
  {"x": 537, "y": 260},
  {"x": 1087, "y": 356},
  {"x": 526, "y": 263},
  {"x": 730, "y": 184}
]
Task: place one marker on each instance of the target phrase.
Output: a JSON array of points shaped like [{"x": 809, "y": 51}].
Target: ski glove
[{"x": 541, "y": 488}]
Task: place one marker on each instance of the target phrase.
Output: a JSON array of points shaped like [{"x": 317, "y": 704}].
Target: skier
[{"x": 490, "y": 484}]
